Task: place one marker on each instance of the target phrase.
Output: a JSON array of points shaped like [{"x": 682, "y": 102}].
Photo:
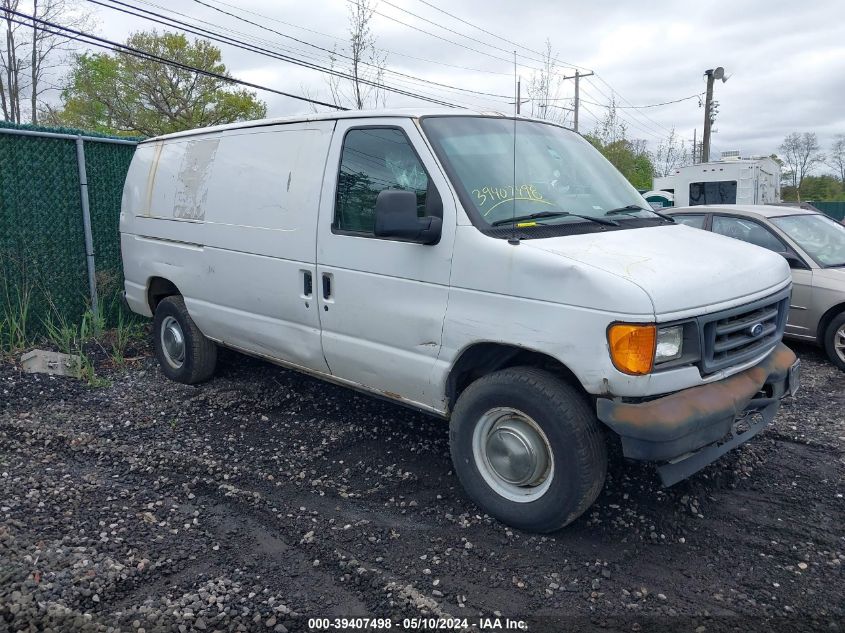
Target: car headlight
[{"x": 670, "y": 344}]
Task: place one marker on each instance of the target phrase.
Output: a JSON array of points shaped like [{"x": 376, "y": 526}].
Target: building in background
[{"x": 731, "y": 180}]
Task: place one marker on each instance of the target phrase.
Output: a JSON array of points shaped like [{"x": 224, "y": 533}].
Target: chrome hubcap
[
  {"x": 839, "y": 343},
  {"x": 513, "y": 454},
  {"x": 173, "y": 342}
]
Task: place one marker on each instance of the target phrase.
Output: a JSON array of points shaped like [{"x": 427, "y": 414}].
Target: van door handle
[
  {"x": 327, "y": 286},
  {"x": 307, "y": 283}
]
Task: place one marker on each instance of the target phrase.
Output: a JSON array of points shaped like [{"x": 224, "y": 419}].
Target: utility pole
[
  {"x": 577, "y": 98},
  {"x": 712, "y": 75},
  {"x": 577, "y": 102},
  {"x": 694, "y": 146}
]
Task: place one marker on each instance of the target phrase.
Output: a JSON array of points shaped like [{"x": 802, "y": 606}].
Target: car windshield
[
  {"x": 544, "y": 168},
  {"x": 822, "y": 238}
]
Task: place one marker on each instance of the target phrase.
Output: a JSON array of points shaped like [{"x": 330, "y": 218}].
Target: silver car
[{"x": 814, "y": 246}]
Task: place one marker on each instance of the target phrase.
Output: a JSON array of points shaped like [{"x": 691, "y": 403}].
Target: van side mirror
[{"x": 396, "y": 216}]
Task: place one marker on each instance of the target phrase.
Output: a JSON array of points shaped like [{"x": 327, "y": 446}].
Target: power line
[
  {"x": 630, "y": 107},
  {"x": 475, "y": 26},
  {"x": 626, "y": 117},
  {"x": 195, "y": 30},
  {"x": 645, "y": 122},
  {"x": 93, "y": 40},
  {"x": 642, "y": 114},
  {"x": 499, "y": 37},
  {"x": 444, "y": 39},
  {"x": 333, "y": 37},
  {"x": 633, "y": 123},
  {"x": 253, "y": 38},
  {"x": 446, "y": 28},
  {"x": 652, "y": 105},
  {"x": 331, "y": 52}
]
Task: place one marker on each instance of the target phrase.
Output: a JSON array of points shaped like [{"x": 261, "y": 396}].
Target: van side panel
[
  {"x": 230, "y": 218},
  {"x": 134, "y": 202},
  {"x": 260, "y": 243}
]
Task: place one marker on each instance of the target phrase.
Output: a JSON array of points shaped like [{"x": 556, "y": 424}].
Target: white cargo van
[{"x": 499, "y": 273}]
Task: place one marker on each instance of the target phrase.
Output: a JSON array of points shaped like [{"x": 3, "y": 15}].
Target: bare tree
[
  {"x": 544, "y": 86},
  {"x": 363, "y": 88},
  {"x": 612, "y": 127},
  {"x": 12, "y": 65},
  {"x": 801, "y": 154},
  {"x": 29, "y": 53},
  {"x": 671, "y": 153},
  {"x": 48, "y": 49},
  {"x": 837, "y": 156}
]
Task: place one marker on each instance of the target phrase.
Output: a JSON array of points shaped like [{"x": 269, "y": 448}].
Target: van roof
[{"x": 412, "y": 113}]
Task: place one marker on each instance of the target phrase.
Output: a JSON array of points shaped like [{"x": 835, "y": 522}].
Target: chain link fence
[{"x": 44, "y": 261}]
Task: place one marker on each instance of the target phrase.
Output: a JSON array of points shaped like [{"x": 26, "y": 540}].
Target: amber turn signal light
[{"x": 632, "y": 347}]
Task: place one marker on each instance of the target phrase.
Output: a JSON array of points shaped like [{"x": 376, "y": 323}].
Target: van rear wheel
[
  {"x": 184, "y": 353},
  {"x": 527, "y": 448}
]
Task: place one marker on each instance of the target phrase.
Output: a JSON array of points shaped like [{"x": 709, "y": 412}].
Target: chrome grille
[{"x": 734, "y": 336}]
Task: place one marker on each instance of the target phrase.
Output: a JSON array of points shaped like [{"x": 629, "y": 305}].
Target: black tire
[
  {"x": 200, "y": 354},
  {"x": 830, "y": 340},
  {"x": 574, "y": 436}
]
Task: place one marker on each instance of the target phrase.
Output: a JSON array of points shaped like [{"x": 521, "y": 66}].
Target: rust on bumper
[{"x": 668, "y": 427}]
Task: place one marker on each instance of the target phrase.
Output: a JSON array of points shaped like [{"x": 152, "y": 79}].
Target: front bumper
[{"x": 691, "y": 428}]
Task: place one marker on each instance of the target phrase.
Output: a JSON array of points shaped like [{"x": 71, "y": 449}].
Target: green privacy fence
[
  {"x": 835, "y": 210},
  {"x": 45, "y": 258}
]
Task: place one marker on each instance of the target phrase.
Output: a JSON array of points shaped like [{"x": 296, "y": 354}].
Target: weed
[
  {"x": 15, "y": 305},
  {"x": 71, "y": 338},
  {"x": 125, "y": 331}
]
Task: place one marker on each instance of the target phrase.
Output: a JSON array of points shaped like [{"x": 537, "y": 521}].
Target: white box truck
[
  {"x": 732, "y": 180},
  {"x": 496, "y": 272}
]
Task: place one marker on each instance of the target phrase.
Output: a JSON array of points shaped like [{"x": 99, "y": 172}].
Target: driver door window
[
  {"x": 747, "y": 231},
  {"x": 374, "y": 159}
]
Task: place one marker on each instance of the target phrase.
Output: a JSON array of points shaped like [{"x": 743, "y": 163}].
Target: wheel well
[
  {"x": 158, "y": 289},
  {"x": 827, "y": 317},
  {"x": 485, "y": 358}
]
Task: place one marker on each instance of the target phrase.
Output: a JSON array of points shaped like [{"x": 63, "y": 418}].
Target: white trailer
[{"x": 732, "y": 180}]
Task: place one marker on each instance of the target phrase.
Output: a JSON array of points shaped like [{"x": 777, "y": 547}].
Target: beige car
[{"x": 814, "y": 246}]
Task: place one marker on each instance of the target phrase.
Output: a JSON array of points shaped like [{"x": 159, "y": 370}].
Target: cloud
[{"x": 786, "y": 63}]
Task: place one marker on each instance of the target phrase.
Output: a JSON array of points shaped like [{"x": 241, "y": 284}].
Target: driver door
[{"x": 382, "y": 300}]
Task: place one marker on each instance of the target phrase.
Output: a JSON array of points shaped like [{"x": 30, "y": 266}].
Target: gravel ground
[{"x": 264, "y": 498}]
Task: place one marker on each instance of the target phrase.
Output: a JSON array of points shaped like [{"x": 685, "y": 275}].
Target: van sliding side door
[{"x": 382, "y": 301}]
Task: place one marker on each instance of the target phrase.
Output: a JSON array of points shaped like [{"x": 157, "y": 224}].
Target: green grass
[
  {"x": 14, "y": 317},
  {"x": 24, "y": 300}
]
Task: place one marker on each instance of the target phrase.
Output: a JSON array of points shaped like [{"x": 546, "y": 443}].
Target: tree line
[{"x": 801, "y": 155}]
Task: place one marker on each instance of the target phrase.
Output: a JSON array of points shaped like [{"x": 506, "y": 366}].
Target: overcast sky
[{"x": 785, "y": 60}]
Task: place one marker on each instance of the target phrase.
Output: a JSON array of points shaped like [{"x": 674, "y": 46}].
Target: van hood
[{"x": 679, "y": 267}]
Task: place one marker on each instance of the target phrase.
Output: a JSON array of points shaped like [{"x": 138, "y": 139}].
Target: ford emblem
[{"x": 756, "y": 330}]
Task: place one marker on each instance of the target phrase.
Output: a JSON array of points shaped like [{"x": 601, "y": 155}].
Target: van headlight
[
  {"x": 669, "y": 345},
  {"x": 640, "y": 348}
]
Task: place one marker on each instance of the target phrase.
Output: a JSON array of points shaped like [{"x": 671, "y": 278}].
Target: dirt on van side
[{"x": 265, "y": 498}]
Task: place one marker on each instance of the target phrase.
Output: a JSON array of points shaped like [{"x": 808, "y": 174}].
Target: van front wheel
[
  {"x": 184, "y": 353},
  {"x": 527, "y": 448}
]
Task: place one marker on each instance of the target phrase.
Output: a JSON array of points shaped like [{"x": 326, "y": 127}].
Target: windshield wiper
[
  {"x": 553, "y": 214},
  {"x": 631, "y": 208}
]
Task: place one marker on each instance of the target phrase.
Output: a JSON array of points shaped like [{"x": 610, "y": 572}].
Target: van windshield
[{"x": 542, "y": 168}]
